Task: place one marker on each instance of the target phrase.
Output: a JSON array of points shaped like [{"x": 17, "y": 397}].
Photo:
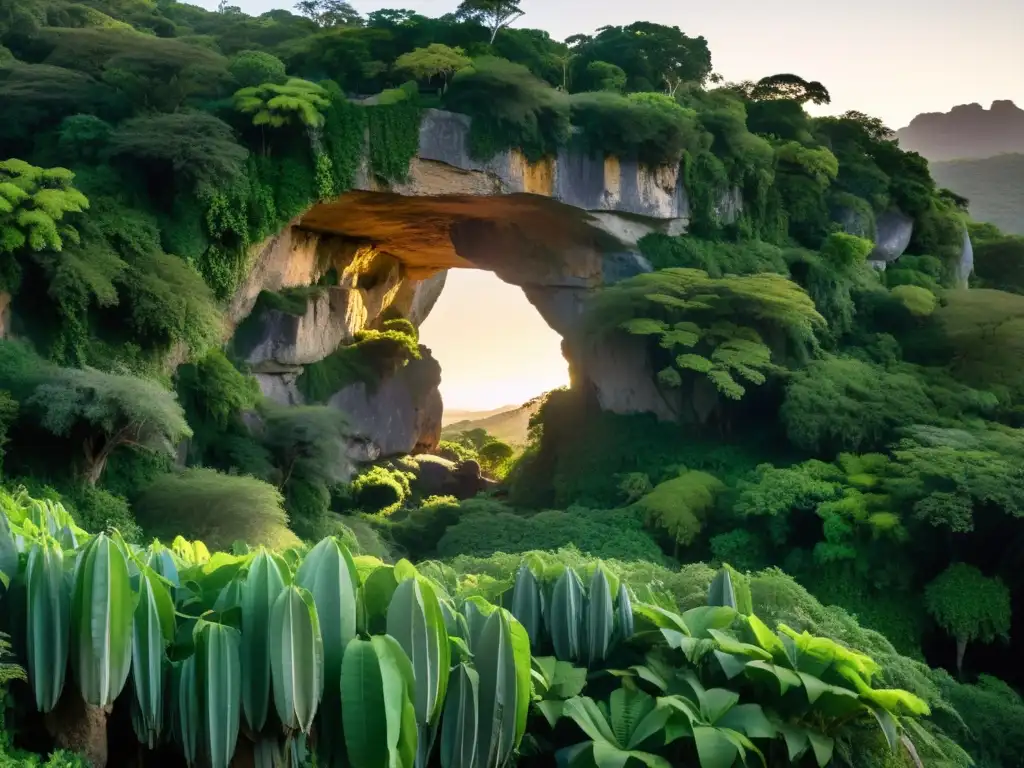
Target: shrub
[
  {"x": 486, "y": 528},
  {"x": 510, "y": 107},
  {"x": 380, "y": 489},
  {"x": 215, "y": 508},
  {"x": 651, "y": 131}
]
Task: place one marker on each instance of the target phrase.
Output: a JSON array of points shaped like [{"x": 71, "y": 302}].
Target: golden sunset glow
[{"x": 493, "y": 346}]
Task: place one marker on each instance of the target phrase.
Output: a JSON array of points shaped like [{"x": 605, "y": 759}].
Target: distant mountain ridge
[
  {"x": 968, "y": 131},
  {"x": 510, "y": 424},
  {"x": 979, "y": 154}
]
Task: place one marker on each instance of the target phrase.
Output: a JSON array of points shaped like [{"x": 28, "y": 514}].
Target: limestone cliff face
[{"x": 559, "y": 229}]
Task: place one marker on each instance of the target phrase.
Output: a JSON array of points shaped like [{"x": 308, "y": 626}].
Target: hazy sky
[
  {"x": 889, "y": 58},
  {"x": 493, "y": 346}
]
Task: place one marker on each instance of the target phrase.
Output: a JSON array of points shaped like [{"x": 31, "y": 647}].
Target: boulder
[
  {"x": 893, "y": 230},
  {"x": 436, "y": 476},
  {"x": 402, "y": 413}
]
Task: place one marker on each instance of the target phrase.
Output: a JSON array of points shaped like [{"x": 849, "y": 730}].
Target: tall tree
[
  {"x": 330, "y": 13},
  {"x": 493, "y": 14}
]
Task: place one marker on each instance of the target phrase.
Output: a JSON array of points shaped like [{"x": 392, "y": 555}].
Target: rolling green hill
[
  {"x": 994, "y": 185},
  {"x": 510, "y": 424}
]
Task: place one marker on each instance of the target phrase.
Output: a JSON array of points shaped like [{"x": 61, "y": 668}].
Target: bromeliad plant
[{"x": 373, "y": 665}]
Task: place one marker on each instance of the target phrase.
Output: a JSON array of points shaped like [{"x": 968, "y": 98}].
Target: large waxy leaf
[
  {"x": 330, "y": 575},
  {"x": 528, "y": 604},
  {"x": 721, "y": 592},
  {"x": 567, "y": 602},
  {"x": 502, "y": 658},
  {"x": 49, "y": 619},
  {"x": 377, "y": 709},
  {"x": 416, "y": 622},
  {"x": 8, "y": 551},
  {"x": 102, "y": 606},
  {"x": 623, "y": 613},
  {"x": 460, "y": 725},
  {"x": 152, "y": 629},
  {"x": 376, "y": 594},
  {"x": 219, "y": 690},
  {"x": 263, "y": 584},
  {"x": 296, "y": 658},
  {"x": 187, "y": 719},
  {"x": 599, "y": 619},
  {"x": 161, "y": 559}
]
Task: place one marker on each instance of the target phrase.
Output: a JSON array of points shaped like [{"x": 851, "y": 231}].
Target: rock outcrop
[
  {"x": 402, "y": 413},
  {"x": 893, "y": 230},
  {"x": 559, "y": 228}
]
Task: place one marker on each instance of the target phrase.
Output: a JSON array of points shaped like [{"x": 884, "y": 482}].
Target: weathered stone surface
[
  {"x": 965, "y": 265},
  {"x": 402, "y": 414},
  {"x": 436, "y": 476},
  {"x": 572, "y": 177},
  {"x": 893, "y": 231},
  {"x": 620, "y": 374},
  {"x": 854, "y": 222}
]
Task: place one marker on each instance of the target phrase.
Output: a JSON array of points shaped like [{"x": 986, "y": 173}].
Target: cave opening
[{"x": 495, "y": 350}]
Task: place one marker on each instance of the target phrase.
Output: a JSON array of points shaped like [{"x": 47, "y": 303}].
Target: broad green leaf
[
  {"x": 822, "y": 746},
  {"x": 889, "y": 727},
  {"x": 749, "y": 719},
  {"x": 721, "y": 592},
  {"x": 376, "y": 688},
  {"x": 460, "y": 728},
  {"x": 763, "y": 636},
  {"x": 797, "y": 740},
  {"x": 330, "y": 575},
  {"x": 102, "y": 605},
  {"x": 188, "y": 723},
  {"x": 415, "y": 620},
  {"x": 652, "y": 723},
  {"x": 504, "y": 678},
  {"x": 591, "y": 720},
  {"x": 375, "y": 596},
  {"x": 527, "y": 604},
  {"x": 48, "y": 617},
  {"x": 768, "y": 672},
  {"x": 152, "y": 629},
  {"x": 296, "y": 658},
  {"x": 714, "y": 748},
  {"x": 715, "y": 702},
  {"x": 219, "y": 690},
  {"x": 599, "y": 619},
  {"x": 897, "y": 701},
  {"x": 814, "y": 686},
  {"x": 704, "y": 618},
  {"x": 730, "y": 644},
  {"x": 263, "y": 584},
  {"x": 552, "y": 709},
  {"x": 608, "y": 756},
  {"x": 564, "y": 618},
  {"x": 657, "y": 617}
]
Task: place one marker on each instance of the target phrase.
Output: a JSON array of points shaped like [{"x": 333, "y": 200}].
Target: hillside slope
[
  {"x": 994, "y": 185},
  {"x": 510, "y": 425}
]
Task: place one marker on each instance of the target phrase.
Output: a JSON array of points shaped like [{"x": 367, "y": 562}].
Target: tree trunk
[
  {"x": 79, "y": 727},
  {"x": 961, "y": 648}
]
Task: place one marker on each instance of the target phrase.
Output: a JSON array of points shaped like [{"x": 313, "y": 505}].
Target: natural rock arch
[{"x": 559, "y": 228}]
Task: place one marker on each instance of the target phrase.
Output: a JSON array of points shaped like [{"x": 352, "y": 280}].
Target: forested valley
[{"x": 811, "y": 555}]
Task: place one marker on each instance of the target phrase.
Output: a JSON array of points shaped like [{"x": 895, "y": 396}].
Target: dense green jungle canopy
[{"x": 859, "y": 429}]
